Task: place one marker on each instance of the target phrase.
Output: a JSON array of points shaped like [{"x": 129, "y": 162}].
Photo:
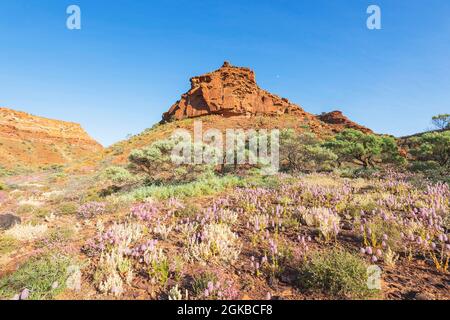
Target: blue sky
[{"x": 133, "y": 59}]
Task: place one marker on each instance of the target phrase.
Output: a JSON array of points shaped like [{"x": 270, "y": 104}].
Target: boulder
[{"x": 8, "y": 221}]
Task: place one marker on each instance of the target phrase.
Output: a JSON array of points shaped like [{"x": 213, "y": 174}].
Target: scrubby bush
[
  {"x": 358, "y": 203},
  {"x": 8, "y": 244},
  {"x": 190, "y": 210},
  {"x": 160, "y": 165},
  {"x": 67, "y": 208},
  {"x": 112, "y": 271},
  {"x": 112, "y": 245},
  {"x": 146, "y": 211},
  {"x": 117, "y": 176},
  {"x": 200, "y": 282},
  {"x": 220, "y": 290},
  {"x": 26, "y": 207},
  {"x": 441, "y": 121},
  {"x": 175, "y": 293},
  {"x": 432, "y": 147},
  {"x": 325, "y": 220},
  {"x": 424, "y": 166},
  {"x": 336, "y": 272},
  {"x": 364, "y": 149},
  {"x": 57, "y": 236},
  {"x": 216, "y": 242},
  {"x": 201, "y": 187},
  {"x": 5, "y": 172},
  {"x": 382, "y": 233},
  {"x": 91, "y": 209},
  {"x": 43, "y": 277},
  {"x": 304, "y": 153}
]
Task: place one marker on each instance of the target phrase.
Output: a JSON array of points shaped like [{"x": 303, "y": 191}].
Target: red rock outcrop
[
  {"x": 233, "y": 91},
  {"x": 340, "y": 122},
  {"x": 228, "y": 91},
  {"x": 32, "y": 141}
]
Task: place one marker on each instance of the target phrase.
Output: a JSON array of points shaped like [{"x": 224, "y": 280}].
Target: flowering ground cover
[{"x": 310, "y": 236}]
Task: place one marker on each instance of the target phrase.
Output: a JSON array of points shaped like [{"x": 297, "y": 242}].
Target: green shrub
[
  {"x": 304, "y": 153},
  {"x": 424, "y": 166},
  {"x": 39, "y": 275},
  {"x": 432, "y": 155},
  {"x": 160, "y": 271},
  {"x": 336, "y": 272},
  {"x": 117, "y": 175},
  {"x": 441, "y": 121},
  {"x": 190, "y": 210},
  {"x": 160, "y": 165},
  {"x": 255, "y": 179},
  {"x": 8, "y": 245},
  {"x": 200, "y": 282},
  {"x": 380, "y": 227},
  {"x": 5, "y": 172},
  {"x": 364, "y": 149},
  {"x": 365, "y": 173},
  {"x": 192, "y": 189},
  {"x": 117, "y": 150},
  {"x": 26, "y": 208},
  {"x": 67, "y": 208},
  {"x": 433, "y": 146},
  {"x": 356, "y": 204},
  {"x": 41, "y": 212},
  {"x": 57, "y": 237},
  {"x": 57, "y": 176},
  {"x": 353, "y": 172}
]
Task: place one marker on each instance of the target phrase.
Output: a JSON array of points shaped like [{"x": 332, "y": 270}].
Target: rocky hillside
[
  {"x": 230, "y": 98},
  {"x": 31, "y": 141},
  {"x": 233, "y": 91},
  {"x": 339, "y": 122}
]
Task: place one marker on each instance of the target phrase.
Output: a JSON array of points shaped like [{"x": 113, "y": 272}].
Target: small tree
[
  {"x": 304, "y": 152},
  {"x": 158, "y": 163},
  {"x": 441, "y": 121},
  {"x": 364, "y": 149},
  {"x": 433, "y": 146},
  {"x": 117, "y": 176}
]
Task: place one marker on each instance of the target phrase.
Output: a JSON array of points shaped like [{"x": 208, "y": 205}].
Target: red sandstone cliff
[
  {"x": 228, "y": 91},
  {"x": 233, "y": 91}
]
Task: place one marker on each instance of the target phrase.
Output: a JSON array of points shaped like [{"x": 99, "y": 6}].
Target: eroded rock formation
[
  {"x": 228, "y": 91},
  {"x": 339, "y": 122},
  {"x": 233, "y": 91}
]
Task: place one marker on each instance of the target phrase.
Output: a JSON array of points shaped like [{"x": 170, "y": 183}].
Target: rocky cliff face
[
  {"x": 233, "y": 91},
  {"x": 33, "y": 141},
  {"x": 339, "y": 122},
  {"x": 228, "y": 91}
]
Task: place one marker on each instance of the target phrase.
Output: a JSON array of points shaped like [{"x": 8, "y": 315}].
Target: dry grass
[{"x": 27, "y": 232}]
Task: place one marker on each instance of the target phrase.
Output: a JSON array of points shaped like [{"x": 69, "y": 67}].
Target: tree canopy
[
  {"x": 441, "y": 121},
  {"x": 364, "y": 149},
  {"x": 432, "y": 146}
]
